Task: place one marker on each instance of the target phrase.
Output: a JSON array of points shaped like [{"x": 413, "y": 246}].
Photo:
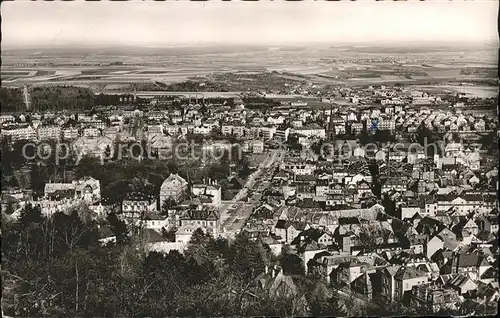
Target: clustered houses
[
  {"x": 395, "y": 222},
  {"x": 401, "y": 225},
  {"x": 59, "y": 197},
  {"x": 386, "y": 109},
  {"x": 182, "y": 208}
]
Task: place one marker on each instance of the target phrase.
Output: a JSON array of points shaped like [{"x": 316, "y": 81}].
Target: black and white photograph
[{"x": 249, "y": 158}]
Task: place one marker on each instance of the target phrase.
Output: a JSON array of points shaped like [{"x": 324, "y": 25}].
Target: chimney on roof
[{"x": 276, "y": 270}]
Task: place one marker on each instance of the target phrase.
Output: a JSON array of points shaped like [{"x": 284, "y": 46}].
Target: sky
[{"x": 77, "y": 23}]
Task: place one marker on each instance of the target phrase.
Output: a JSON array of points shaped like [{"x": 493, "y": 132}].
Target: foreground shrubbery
[{"x": 55, "y": 266}]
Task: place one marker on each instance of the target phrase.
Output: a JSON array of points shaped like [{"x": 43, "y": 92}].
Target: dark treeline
[
  {"x": 54, "y": 98},
  {"x": 47, "y": 98},
  {"x": 187, "y": 86},
  {"x": 257, "y": 102},
  {"x": 11, "y": 99},
  {"x": 113, "y": 99}
]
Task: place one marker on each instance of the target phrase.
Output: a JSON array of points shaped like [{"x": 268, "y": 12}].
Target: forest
[
  {"x": 56, "y": 266},
  {"x": 56, "y": 98},
  {"x": 48, "y": 98}
]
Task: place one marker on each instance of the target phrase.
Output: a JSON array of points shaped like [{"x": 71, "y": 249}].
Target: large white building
[
  {"x": 312, "y": 130},
  {"x": 48, "y": 132},
  {"x": 174, "y": 188},
  {"x": 25, "y": 132},
  {"x": 87, "y": 188},
  {"x": 70, "y": 133},
  {"x": 463, "y": 204}
]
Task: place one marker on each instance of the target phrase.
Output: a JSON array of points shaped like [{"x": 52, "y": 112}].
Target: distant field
[
  {"x": 476, "y": 91},
  {"x": 45, "y": 73},
  {"x": 443, "y": 73},
  {"x": 419, "y": 77},
  {"x": 392, "y": 77},
  {"x": 15, "y": 73},
  {"x": 119, "y": 72},
  {"x": 96, "y": 72},
  {"x": 364, "y": 75},
  {"x": 68, "y": 72},
  {"x": 333, "y": 65},
  {"x": 152, "y": 72},
  {"x": 375, "y": 79},
  {"x": 127, "y": 78}
]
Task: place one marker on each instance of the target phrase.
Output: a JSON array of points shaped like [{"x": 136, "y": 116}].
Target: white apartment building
[
  {"x": 313, "y": 130},
  {"x": 48, "y": 132},
  {"x": 91, "y": 132},
  {"x": 70, "y": 133},
  {"x": 19, "y": 132}
]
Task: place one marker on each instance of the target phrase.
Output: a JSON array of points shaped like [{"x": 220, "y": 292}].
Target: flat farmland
[
  {"x": 443, "y": 73},
  {"x": 153, "y": 72},
  {"x": 105, "y": 71},
  {"x": 393, "y": 77},
  {"x": 16, "y": 73},
  {"x": 473, "y": 91},
  {"x": 317, "y": 64}
]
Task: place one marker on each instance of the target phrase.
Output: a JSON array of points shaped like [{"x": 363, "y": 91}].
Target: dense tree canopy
[
  {"x": 55, "y": 266},
  {"x": 48, "y": 98}
]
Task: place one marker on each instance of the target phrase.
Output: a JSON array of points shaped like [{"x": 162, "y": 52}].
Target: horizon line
[{"x": 194, "y": 44}]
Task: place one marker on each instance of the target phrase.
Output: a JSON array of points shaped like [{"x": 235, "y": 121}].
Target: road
[{"x": 235, "y": 213}]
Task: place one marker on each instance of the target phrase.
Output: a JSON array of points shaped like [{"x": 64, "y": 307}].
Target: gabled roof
[
  {"x": 471, "y": 260},
  {"x": 459, "y": 280},
  {"x": 311, "y": 246},
  {"x": 393, "y": 270},
  {"x": 348, "y": 220},
  {"x": 298, "y": 225},
  {"x": 308, "y": 235},
  {"x": 470, "y": 224},
  {"x": 446, "y": 277},
  {"x": 409, "y": 273},
  {"x": 281, "y": 224},
  {"x": 281, "y": 175},
  {"x": 490, "y": 273},
  {"x": 173, "y": 180}
]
